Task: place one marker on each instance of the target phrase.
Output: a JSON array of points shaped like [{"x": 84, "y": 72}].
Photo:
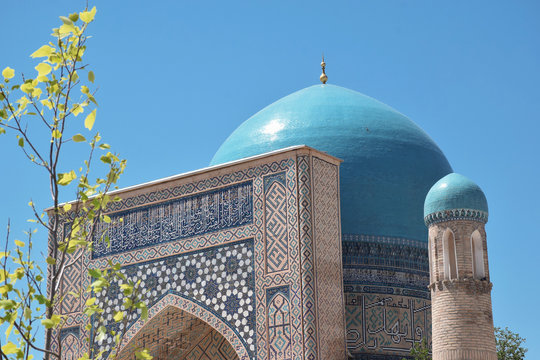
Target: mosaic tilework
[
  {"x": 279, "y": 323},
  {"x": 212, "y": 347},
  {"x": 388, "y": 305},
  {"x": 177, "y": 219},
  {"x": 70, "y": 343},
  {"x": 196, "y": 310},
  {"x": 219, "y": 279},
  {"x": 71, "y": 281},
  {"x": 306, "y": 249},
  {"x": 385, "y": 252},
  {"x": 456, "y": 214},
  {"x": 178, "y": 247},
  {"x": 328, "y": 252},
  {"x": 275, "y": 208},
  {"x": 290, "y": 277},
  {"x": 301, "y": 284},
  {"x": 176, "y": 334},
  {"x": 198, "y": 186},
  {"x": 378, "y": 324}
]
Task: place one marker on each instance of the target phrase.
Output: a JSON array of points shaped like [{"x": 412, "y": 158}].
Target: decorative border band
[{"x": 456, "y": 214}]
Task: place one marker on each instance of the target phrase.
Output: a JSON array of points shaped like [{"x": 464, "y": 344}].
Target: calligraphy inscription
[
  {"x": 379, "y": 323},
  {"x": 176, "y": 219}
]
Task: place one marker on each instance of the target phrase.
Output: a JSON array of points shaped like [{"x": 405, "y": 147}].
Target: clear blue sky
[{"x": 176, "y": 77}]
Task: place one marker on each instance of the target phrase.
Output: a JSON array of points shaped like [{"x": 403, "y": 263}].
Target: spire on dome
[{"x": 323, "y": 76}]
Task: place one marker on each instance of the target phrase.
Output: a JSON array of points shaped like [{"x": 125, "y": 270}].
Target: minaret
[{"x": 455, "y": 212}]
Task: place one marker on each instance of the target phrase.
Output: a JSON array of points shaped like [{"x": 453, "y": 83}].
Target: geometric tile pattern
[
  {"x": 387, "y": 252},
  {"x": 388, "y": 307},
  {"x": 327, "y": 225},
  {"x": 70, "y": 343},
  {"x": 279, "y": 323},
  {"x": 177, "y": 247},
  {"x": 176, "y": 219},
  {"x": 220, "y": 279},
  {"x": 389, "y": 324},
  {"x": 291, "y": 277},
  {"x": 176, "y": 334},
  {"x": 71, "y": 281},
  {"x": 306, "y": 249},
  {"x": 275, "y": 206},
  {"x": 212, "y": 347},
  {"x": 252, "y": 279},
  {"x": 191, "y": 308}
]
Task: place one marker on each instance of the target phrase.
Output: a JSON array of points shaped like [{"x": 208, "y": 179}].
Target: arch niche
[{"x": 175, "y": 331}]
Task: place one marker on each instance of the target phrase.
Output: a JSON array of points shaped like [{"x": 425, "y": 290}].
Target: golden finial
[{"x": 323, "y": 76}]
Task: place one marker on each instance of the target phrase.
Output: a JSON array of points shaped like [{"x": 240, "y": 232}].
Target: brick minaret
[{"x": 455, "y": 212}]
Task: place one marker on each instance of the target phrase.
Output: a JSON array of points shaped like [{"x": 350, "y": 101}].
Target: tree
[
  {"x": 509, "y": 345},
  {"x": 421, "y": 351},
  {"x": 53, "y": 99}
]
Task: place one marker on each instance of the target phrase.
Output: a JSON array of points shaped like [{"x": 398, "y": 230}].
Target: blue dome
[
  {"x": 389, "y": 163},
  {"x": 455, "y": 192}
]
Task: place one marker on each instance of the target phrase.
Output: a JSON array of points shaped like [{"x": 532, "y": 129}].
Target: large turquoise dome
[{"x": 389, "y": 163}]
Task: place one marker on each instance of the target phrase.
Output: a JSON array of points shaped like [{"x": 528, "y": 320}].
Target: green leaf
[
  {"x": 144, "y": 312},
  {"x": 90, "y": 119},
  {"x": 66, "y": 20},
  {"x": 43, "y": 69},
  {"x": 51, "y": 261},
  {"x": 56, "y": 134},
  {"x": 27, "y": 313},
  {"x": 48, "y": 323},
  {"x": 8, "y": 73},
  {"x": 47, "y": 103},
  {"x": 85, "y": 90},
  {"x": 105, "y": 159},
  {"x": 88, "y": 16},
  {"x": 66, "y": 29},
  {"x": 91, "y": 76},
  {"x": 95, "y": 273},
  {"x": 77, "y": 109},
  {"x": 66, "y": 178},
  {"x": 43, "y": 51},
  {"x": 91, "y": 301},
  {"x": 7, "y": 304},
  {"x": 21, "y": 142},
  {"x": 143, "y": 355},
  {"x": 19, "y": 243},
  {"x": 79, "y": 138},
  {"x": 73, "y": 17},
  {"x": 119, "y": 316},
  {"x": 27, "y": 87},
  {"x": 9, "y": 348}
]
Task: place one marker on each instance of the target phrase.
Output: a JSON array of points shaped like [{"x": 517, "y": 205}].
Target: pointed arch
[
  {"x": 237, "y": 343},
  {"x": 477, "y": 249},
  {"x": 449, "y": 255},
  {"x": 279, "y": 328},
  {"x": 70, "y": 347}
]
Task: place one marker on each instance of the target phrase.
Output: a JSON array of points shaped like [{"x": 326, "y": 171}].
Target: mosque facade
[{"x": 305, "y": 238}]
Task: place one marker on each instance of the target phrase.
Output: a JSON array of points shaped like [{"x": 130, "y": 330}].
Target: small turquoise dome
[
  {"x": 455, "y": 192},
  {"x": 389, "y": 163}
]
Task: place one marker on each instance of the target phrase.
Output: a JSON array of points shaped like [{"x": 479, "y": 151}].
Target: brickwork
[
  {"x": 330, "y": 301},
  {"x": 461, "y": 308},
  {"x": 249, "y": 253},
  {"x": 176, "y": 334}
]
